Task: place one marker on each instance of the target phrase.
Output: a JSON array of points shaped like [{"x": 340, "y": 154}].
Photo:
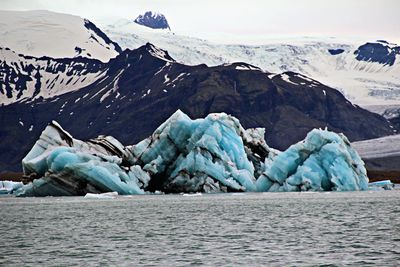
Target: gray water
[{"x": 269, "y": 229}]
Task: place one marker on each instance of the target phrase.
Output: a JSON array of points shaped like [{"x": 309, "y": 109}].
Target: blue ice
[{"x": 214, "y": 154}]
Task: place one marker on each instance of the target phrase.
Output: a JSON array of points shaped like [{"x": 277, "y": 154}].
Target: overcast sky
[{"x": 343, "y": 18}]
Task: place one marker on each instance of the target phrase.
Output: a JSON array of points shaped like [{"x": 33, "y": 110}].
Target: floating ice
[
  {"x": 214, "y": 154},
  {"x": 102, "y": 195},
  {"x": 324, "y": 161},
  {"x": 207, "y": 155},
  {"x": 386, "y": 185},
  {"x": 63, "y": 166},
  {"x": 8, "y": 187}
]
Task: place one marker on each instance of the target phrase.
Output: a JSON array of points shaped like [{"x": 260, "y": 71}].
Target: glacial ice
[
  {"x": 323, "y": 161},
  {"x": 381, "y": 185},
  {"x": 63, "y": 166},
  {"x": 108, "y": 195},
  {"x": 8, "y": 187},
  {"x": 214, "y": 154}
]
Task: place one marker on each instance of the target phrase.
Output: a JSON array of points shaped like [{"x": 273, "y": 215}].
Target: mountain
[
  {"x": 25, "y": 78},
  {"x": 380, "y": 52},
  {"x": 153, "y": 20},
  {"x": 389, "y": 112},
  {"x": 44, "y": 33},
  {"x": 367, "y": 73},
  {"x": 141, "y": 88}
]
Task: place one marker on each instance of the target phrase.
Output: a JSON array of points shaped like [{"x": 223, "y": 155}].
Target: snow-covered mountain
[
  {"x": 26, "y": 78},
  {"x": 44, "y": 33},
  {"x": 368, "y": 73}
]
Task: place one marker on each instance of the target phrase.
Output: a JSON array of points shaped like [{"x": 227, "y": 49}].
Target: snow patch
[
  {"x": 286, "y": 78},
  {"x": 166, "y": 78}
]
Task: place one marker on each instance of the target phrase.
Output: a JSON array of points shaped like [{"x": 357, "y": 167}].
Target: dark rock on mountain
[
  {"x": 395, "y": 121},
  {"x": 379, "y": 52},
  {"x": 143, "y": 87},
  {"x": 90, "y": 26},
  {"x": 335, "y": 52},
  {"x": 382, "y": 41},
  {"x": 153, "y": 20}
]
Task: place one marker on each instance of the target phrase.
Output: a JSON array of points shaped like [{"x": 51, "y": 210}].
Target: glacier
[{"x": 210, "y": 155}]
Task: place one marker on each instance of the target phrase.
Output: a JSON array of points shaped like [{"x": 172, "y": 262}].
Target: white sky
[{"x": 378, "y": 19}]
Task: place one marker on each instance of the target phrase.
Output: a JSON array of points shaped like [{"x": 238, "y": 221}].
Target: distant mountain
[
  {"x": 380, "y": 52},
  {"x": 153, "y": 20},
  {"x": 44, "y": 33},
  {"x": 367, "y": 73},
  {"x": 141, "y": 88}
]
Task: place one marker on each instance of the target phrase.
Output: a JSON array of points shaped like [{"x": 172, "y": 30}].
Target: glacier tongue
[{"x": 214, "y": 154}]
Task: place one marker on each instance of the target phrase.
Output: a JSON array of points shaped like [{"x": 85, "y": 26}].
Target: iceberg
[
  {"x": 323, "y": 161},
  {"x": 214, "y": 154},
  {"x": 210, "y": 155},
  {"x": 385, "y": 185},
  {"x": 8, "y": 187},
  {"x": 109, "y": 195},
  {"x": 60, "y": 165}
]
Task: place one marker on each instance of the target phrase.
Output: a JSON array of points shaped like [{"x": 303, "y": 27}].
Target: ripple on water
[{"x": 275, "y": 229}]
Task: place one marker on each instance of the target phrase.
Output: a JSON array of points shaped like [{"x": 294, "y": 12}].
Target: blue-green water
[{"x": 269, "y": 229}]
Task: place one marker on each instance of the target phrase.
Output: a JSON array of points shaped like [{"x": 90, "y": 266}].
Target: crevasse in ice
[{"x": 214, "y": 154}]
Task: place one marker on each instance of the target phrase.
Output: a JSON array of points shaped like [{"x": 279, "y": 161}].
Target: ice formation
[
  {"x": 8, "y": 187},
  {"x": 109, "y": 195},
  {"x": 214, "y": 154},
  {"x": 381, "y": 185},
  {"x": 63, "y": 166},
  {"x": 324, "y": 161}
]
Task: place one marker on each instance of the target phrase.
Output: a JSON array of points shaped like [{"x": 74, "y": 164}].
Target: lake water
[{"x": 269, "y": 229}]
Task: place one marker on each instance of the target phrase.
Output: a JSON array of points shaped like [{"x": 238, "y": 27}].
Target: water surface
[{"x": 274, "y": 229}]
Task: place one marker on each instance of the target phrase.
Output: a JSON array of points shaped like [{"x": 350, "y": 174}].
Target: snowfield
[{"x": 44, "y": 33}]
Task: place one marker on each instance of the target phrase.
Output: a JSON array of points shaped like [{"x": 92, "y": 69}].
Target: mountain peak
[
  {"x": 153, "y": 20},
  {"x": 157, "y": 52}
]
